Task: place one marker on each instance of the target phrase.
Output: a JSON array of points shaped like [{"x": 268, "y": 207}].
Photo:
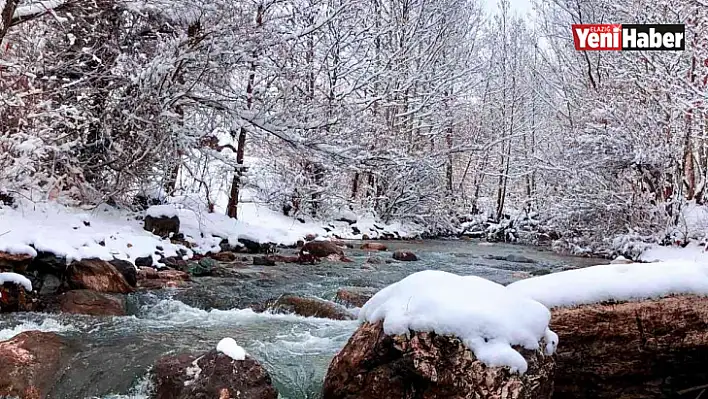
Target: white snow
[
  {"x": 692, "y": 252},
  {"x": 15, "y": 279},
  {"x": 161, "y": 211},
  {"x": 230, "y": 348},
  {"x": 618, "y": 282},
  {"x": 487, "y": 317},
  {"x": 103, "y": 232}
]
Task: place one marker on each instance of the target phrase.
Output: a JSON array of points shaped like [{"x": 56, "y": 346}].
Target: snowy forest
[{"x": 436, "y": 112}]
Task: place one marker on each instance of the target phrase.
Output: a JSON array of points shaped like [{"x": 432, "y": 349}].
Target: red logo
[{"x": 597, "y": 36}]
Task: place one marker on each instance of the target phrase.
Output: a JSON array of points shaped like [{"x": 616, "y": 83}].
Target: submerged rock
[
  {"x": 321, "y": 249},
  {"x": 406, "y": 256},
  {"x": 354, "y": 296},
  {"x": 308, "y": 307},
  {"x": 149, "y": 278},
  {"x": 91, "y": 303},
  {"x": 224, "y": 256},
  {"x": 211, "y": 375},
  {"x": 263, "y": 261},
  {"x": 30, "y": 363},
  {"x": 511, "y": 258},
  {"x": 97, "y": 275},
  {"x": 374, "y": 365},
  {"x": 373, "y": 246},
  {"x": 162, "y": 226}
]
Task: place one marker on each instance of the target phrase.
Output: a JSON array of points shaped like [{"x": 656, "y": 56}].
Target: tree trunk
[
  {"x": 6, "y": 17},
  {"x": 232, "y": 207},
  {"x": 648, "y": 349}
]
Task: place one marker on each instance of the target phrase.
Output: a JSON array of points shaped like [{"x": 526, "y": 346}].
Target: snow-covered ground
[
  {"x": 105, "y": 232},
  {"x": 486, "y": 316}
]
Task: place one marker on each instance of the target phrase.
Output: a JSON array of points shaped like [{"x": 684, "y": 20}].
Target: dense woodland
[{"x": 434, "y": 111}]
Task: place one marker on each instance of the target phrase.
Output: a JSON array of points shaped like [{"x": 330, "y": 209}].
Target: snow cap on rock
[
  {"x": 230, "y": 348},
  {"x": 488, "y": 318}
]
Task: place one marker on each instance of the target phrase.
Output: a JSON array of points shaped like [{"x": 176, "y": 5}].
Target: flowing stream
[{"x": 113, "y": 355}]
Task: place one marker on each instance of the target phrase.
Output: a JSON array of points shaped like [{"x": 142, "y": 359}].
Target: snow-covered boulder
[
  {"x": 438, "y": 335},
  {"x": 162, "y": 220},
  {"x": 649, "y": 349},
  {"x": 11, "y": 261},
  {"x": 16, "y": 293},
  {"x": 627, "y": 330},
  {"x": 214, "y": 374},
  {"x": 30, "y": 363}
]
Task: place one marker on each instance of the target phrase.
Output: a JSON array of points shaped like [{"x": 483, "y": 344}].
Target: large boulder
[
  {"x": 374, "y": 365},
  {"x": 321, "y": 249},
  {"x": 127, "y": 269},
  {"x": 308, "y": 307},
  {"x": 30, "y": 363},
  {"x": 211, "y": 375},
  {"x": 647, "y": 349},
  {"x": 162, "y": 226},
  {"x": 91, "y": 303},
  {"x": 97, "y": 275}
]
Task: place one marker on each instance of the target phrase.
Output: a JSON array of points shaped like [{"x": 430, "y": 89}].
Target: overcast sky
[{"x": 520, "y": 6}]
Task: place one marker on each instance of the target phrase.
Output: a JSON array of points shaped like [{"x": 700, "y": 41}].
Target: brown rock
[
  {"x": 14, "y": 298},
  {"x": 406, "y": 256},
  {"x": 321, "y": 249},
  {"x": 212, "y": 375},
  {"x": 151, "y": 279},
  {"x": 162, "y": 226},
  {"x": 127, "y": 269},
  {"x": 224, "y": 256},
  {"x": 374, "y": 246},
  {"x": 365, "y": 237},
  {"x": 96, "y": 275},
  {"x": 308, "y": 307},
  {"x": 91, "y": 303},
  {"x": 310, "y": 237},
  {"x": 649, "y": 349},
  {"x": 14, "y": 262},
  {"x": 354, "y": 296},
  {"x": 30, "y": 363},
  {"x": 374, "y": 365}
]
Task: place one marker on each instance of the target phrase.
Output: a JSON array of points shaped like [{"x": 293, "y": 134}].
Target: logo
[{"x": 666, "y": 37}]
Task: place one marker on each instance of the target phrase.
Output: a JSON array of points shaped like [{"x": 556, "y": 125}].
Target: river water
[{"x": 113, "y": 355}]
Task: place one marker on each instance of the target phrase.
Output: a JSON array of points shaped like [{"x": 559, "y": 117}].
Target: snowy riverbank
[{"x": 109, "y": 233}]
